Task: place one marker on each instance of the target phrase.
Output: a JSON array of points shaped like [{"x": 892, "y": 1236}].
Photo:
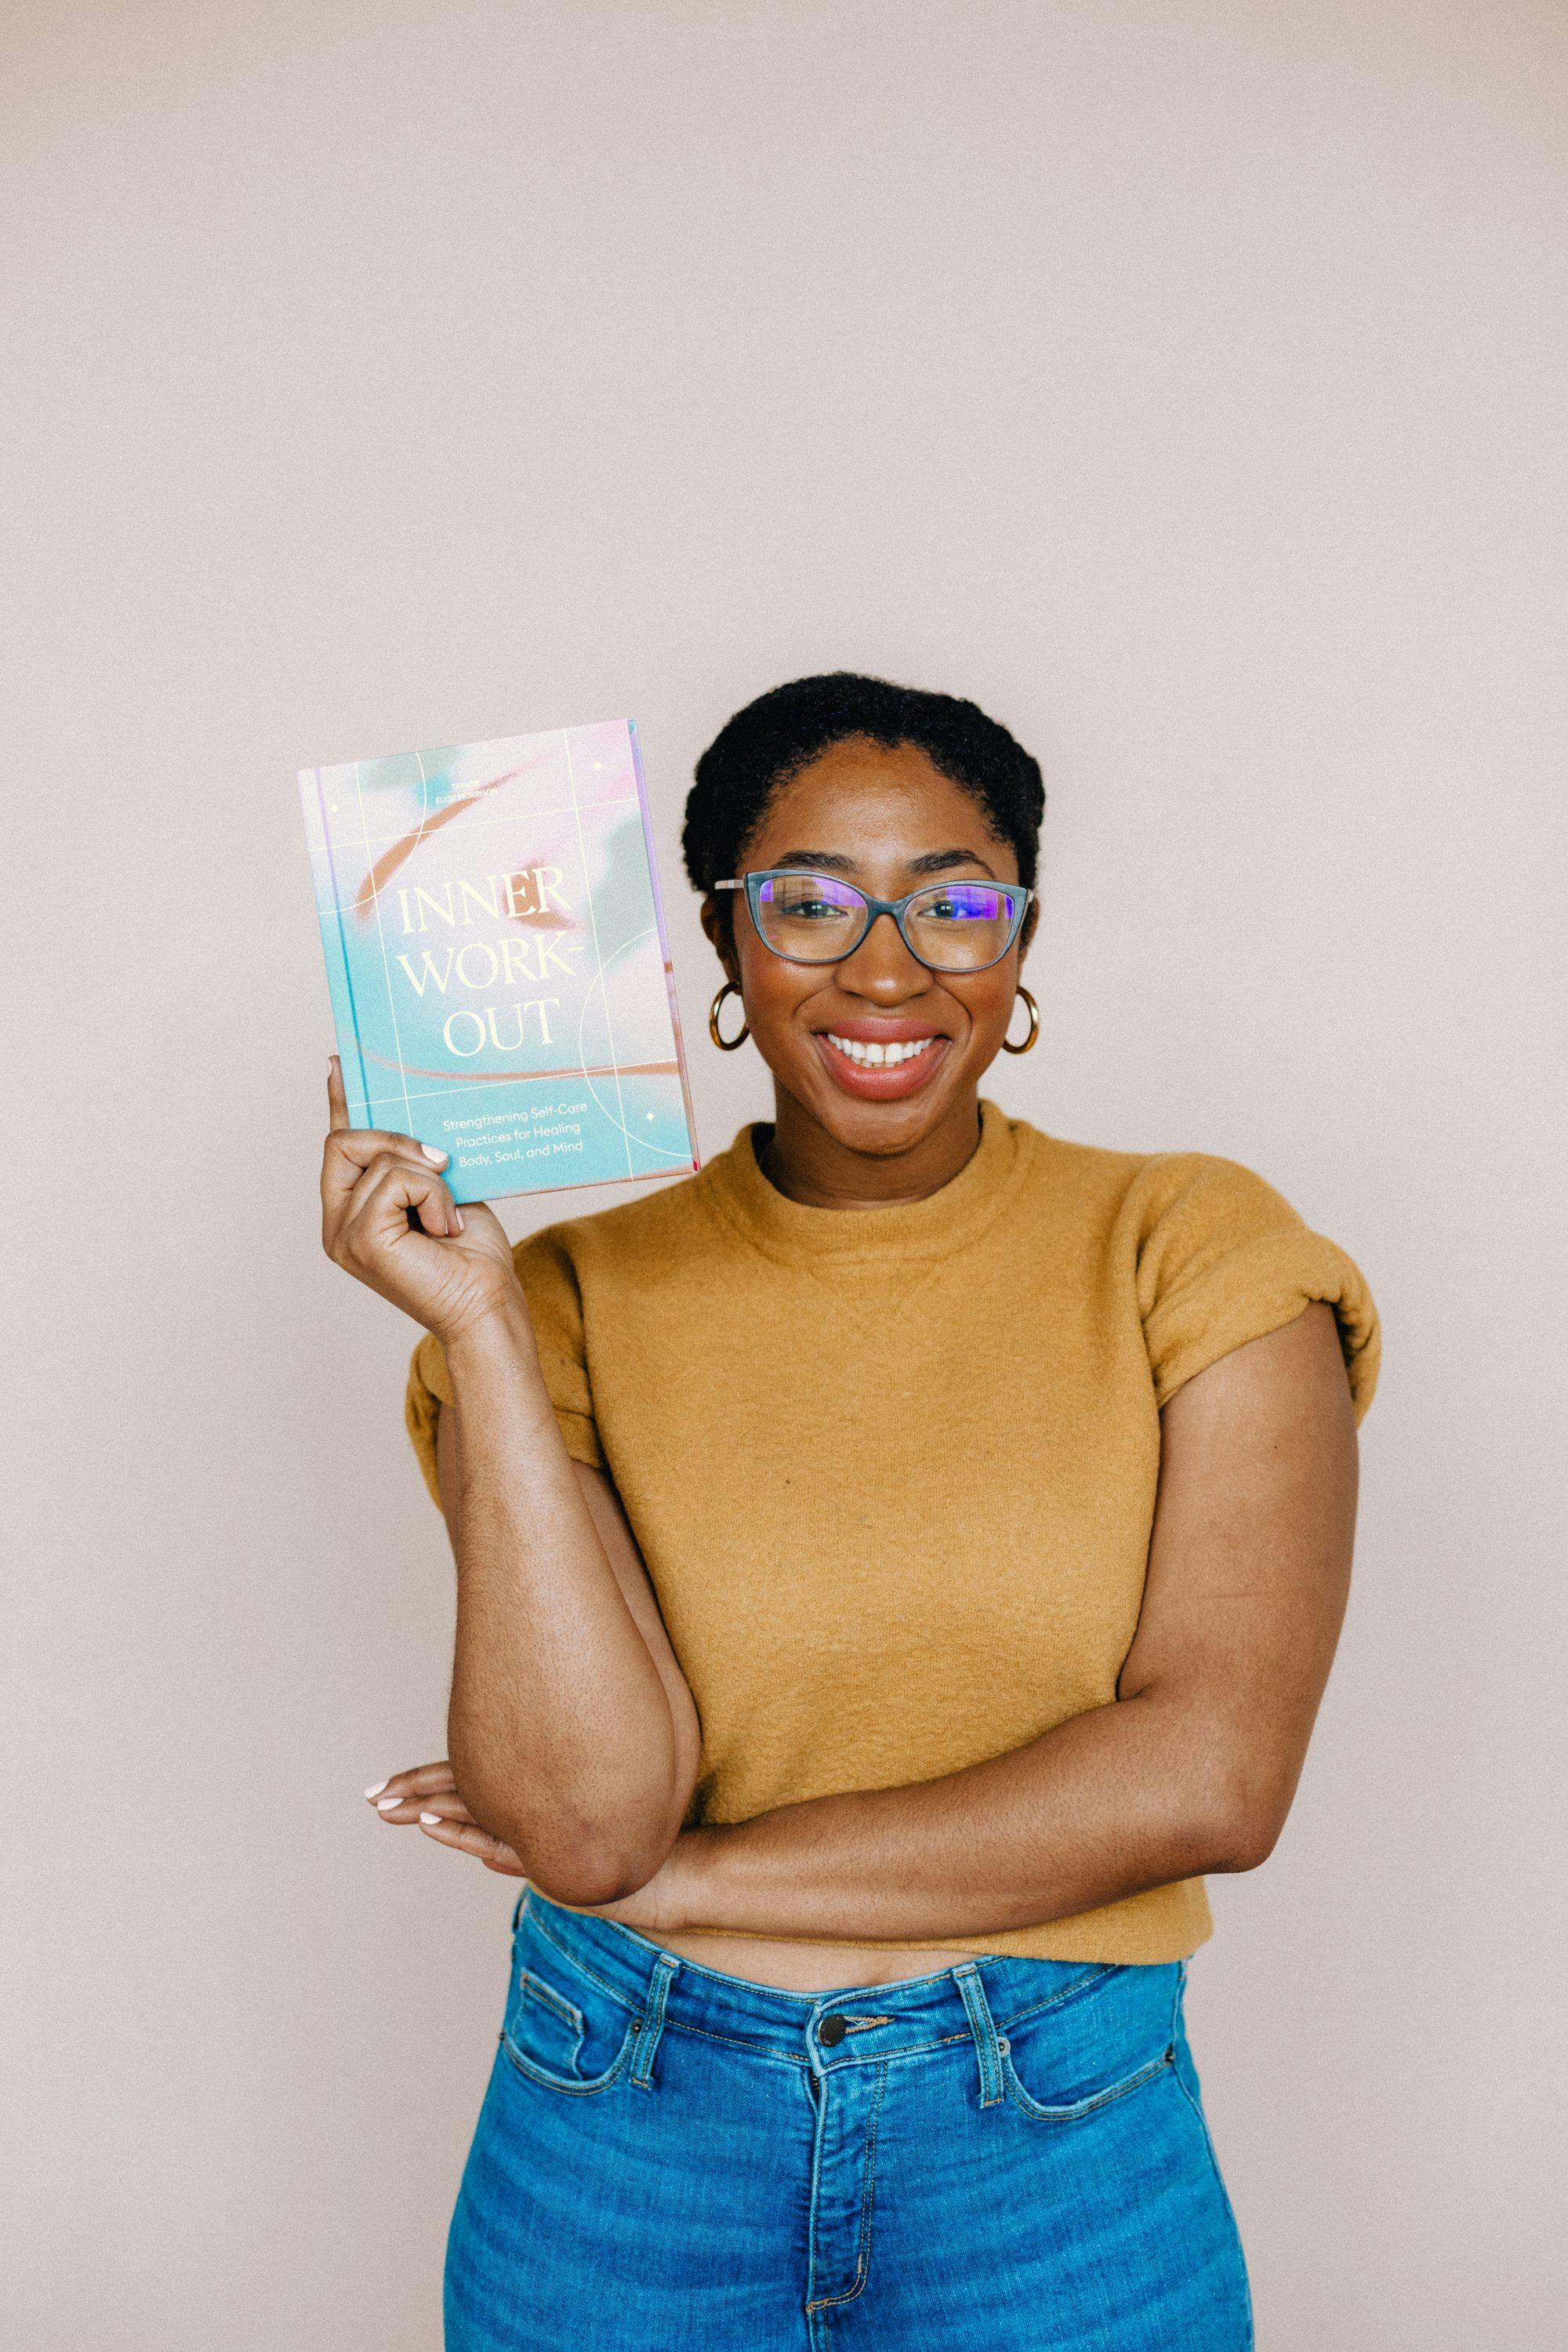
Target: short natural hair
[{"x": 758, "y": 751}]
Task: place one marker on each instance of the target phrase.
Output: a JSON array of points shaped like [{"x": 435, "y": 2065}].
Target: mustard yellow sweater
[{"x": 892, "y": 1470}]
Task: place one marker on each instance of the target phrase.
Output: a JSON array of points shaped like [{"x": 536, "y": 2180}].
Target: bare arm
[
  {"x": 572, "y": 1734},
  {"x": 1191, "y": 1770}
]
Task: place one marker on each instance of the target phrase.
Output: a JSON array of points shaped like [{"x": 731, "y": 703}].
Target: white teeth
[{"x": 877, "y": 1057}]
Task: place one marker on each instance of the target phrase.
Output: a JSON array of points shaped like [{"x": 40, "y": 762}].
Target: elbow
[
  {"x": 583, "y": 1886},
  {"x": 585, "y": 1875},
  {"x": 1242, "y": 1842},
  {"x": 578, "y": 1841},
  {"x": 573, "y": 1858},
  {"x": 1241, "y": 1825},
  {"x": 1229, "y": 1791}
]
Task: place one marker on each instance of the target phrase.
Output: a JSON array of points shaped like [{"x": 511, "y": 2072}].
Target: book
[{"x": 497, "y": 959}]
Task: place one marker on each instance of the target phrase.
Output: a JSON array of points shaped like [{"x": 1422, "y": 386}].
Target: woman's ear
[
  {"x": 1031, "y": 922},
  {"x": 716, "y": 919}
]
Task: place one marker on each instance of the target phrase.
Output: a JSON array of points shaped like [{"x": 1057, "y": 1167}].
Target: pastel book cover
[{"x": 496, "y": 954}]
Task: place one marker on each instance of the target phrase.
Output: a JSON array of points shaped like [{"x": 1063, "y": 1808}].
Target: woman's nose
[{"x": 883, "y": 967}]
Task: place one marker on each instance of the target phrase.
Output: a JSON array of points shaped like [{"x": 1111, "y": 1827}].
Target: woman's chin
[{"x": 878, "y": 1123}]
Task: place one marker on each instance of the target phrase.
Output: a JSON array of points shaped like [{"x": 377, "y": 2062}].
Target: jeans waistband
[{"x": 850, "y": 2025}]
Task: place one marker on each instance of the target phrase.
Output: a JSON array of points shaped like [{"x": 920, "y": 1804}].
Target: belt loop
[
  {"x": 985, "y": 2031},
  {"x": 652, "y": 2025}
]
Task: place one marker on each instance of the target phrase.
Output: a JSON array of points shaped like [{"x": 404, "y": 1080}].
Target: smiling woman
[{"x": 894, "y": 1565}]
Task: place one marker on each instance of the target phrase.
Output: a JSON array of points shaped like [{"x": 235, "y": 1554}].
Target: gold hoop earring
[
  {"x": 725, "y": 1045},
  {"x": 1034, "y": 1026}
]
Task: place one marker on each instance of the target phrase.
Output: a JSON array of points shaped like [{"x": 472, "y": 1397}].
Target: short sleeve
[
  {"x": 548, "y": 1283},
  {"x": 1223, "y": 1259}
]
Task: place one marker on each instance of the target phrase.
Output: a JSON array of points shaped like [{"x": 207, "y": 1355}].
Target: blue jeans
[{"x": 1005, "y": 2156}]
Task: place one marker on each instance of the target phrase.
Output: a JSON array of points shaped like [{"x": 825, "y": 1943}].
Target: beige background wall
[{"x": 1185, "y": 381}]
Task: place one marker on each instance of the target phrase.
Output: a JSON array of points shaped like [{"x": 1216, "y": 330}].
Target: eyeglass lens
[{"x": 952, "y": 926}]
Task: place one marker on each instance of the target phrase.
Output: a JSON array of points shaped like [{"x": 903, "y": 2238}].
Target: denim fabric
[{"x": 1006, "y": 2154}]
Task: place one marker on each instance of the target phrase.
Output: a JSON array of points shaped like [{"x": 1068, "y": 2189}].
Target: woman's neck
[{"x": 802, "y": 1161}]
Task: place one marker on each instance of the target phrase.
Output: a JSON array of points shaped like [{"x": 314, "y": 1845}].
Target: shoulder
[
  {"x": 1214, "y": 1255},
  {"x": 1090, "y": 1172},
  {"x": 1134, "y": 1198},
  {"x": 1151, "y": 1200},
  {"x": 1188, "y": 1195},
  {"x": 1223, "y": 1257},
  {"x": 1147, "y": 1184}
]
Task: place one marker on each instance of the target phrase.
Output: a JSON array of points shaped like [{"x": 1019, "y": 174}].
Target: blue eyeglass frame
[{"x": 752, "y": 884}]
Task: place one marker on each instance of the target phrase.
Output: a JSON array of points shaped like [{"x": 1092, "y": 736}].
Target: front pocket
[
  {"x": 1075, "y": 2050},
  {"x": 559, "y": 2014},
  {"x": 1085, "y": 2106},
  {"x": 573, "y": 2045},
  {"x": 573, "y": 2085}
]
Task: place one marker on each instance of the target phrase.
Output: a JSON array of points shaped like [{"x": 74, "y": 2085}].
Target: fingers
[
  {"x": 426, "y": 1779},
  {"x": 390, "y": 1186},
  {"x": 358, "y": 1228},
  {"x": 467, "y": 1837},
  {"x": 428, "y": 1794},
  {"x": 443, "y": 1809},
  {"x": 400, "y": 1798},
  {"x": 350, "y": 1149}
]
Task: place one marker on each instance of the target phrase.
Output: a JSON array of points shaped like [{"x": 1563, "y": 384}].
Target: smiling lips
[{"x": 879, "y": 1060}]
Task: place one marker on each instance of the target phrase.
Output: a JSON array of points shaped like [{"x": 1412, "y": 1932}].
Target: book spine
[
  {"x": 334, "y": 946},
  {"x": 643, "y": 812}
]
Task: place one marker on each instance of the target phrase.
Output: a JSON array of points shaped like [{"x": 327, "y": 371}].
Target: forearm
[
  {"x": 1123, "y": 1798},
  {"x": 560, "y": 1730}
]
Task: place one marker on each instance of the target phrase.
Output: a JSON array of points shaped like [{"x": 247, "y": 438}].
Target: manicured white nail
[
  {"x": 389, "y": 1804},
  {"x": 430, "y": 1821},
  {"x": 459, "y": 1215},
  {"x": 437, "y": 1159},
  {"x": 376, "y": 1787}
]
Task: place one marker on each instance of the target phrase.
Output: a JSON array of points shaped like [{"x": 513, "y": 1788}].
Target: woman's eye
[{"x": 963, "y": 907}]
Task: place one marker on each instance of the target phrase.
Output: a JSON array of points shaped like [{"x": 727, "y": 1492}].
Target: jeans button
[{"x": 830, "y": 2029}]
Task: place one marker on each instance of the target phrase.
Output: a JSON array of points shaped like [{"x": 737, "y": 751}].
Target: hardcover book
[{"x": 496, "y": 954}]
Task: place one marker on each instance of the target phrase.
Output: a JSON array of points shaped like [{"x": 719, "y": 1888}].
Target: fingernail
[
  {"x": 459, "y": 1215},
  {"x": 388, "y": 1804},
  {"x": 437, "y": 1159},
  {"x": 376, "y": 1787},
  {"x": 429, "y": 1821}
]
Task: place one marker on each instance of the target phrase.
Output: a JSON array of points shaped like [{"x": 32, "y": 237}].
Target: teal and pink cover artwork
[{"x": 496, "y": 954}]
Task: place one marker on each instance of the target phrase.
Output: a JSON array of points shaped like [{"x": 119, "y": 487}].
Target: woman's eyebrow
[
  {"x": 932, "y": 861},
  {"x": 828, "y": 860},
  {"x": 936, "y": 861}
]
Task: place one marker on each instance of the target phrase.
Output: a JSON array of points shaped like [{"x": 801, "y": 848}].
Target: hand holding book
[{"x": 388, "y": 1219}]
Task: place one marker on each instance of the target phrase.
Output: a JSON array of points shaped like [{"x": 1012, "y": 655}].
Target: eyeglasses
[{"x": 947, "y": 926}]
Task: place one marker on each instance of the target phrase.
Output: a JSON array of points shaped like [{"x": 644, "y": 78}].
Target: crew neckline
[{"x": 945, "y": 1219}]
